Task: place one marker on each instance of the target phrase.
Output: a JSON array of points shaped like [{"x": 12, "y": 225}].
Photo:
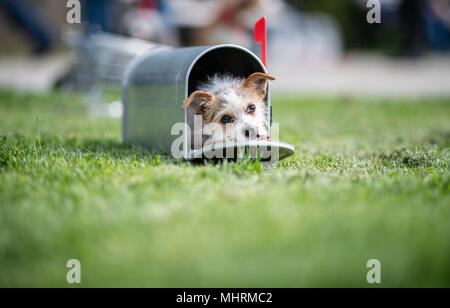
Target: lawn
[{"x": 370, "y": 179}]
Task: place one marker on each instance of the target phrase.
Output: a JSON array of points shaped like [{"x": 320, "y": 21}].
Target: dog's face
[{"x": 232, "y": 109}]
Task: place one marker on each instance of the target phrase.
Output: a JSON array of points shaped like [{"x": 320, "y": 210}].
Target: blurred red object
[
  {"x": 260, "y": 37},
  {"x": 147, "y": 4}
]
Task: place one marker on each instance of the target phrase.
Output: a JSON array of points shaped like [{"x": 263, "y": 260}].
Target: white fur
[{"x": 219, "y": 83}]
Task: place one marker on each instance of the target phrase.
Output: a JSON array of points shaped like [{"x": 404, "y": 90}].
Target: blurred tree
[{"x": 357, "y": 32}]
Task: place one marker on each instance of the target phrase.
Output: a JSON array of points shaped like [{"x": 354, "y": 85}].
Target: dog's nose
[{"x": 250, "y": 132}]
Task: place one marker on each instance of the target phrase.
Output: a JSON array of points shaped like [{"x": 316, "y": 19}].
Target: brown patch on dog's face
[{"x": 199, "y": 102}]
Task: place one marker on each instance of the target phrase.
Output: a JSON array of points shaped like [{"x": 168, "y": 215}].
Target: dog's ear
[
  {"x": 197, "y": 102},
  {"x": 257, "y": 82}
]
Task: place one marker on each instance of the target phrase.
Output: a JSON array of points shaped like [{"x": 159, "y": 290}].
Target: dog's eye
[
  {"x": 251, "y": 109},
  {"x": 226, "y": 119}
]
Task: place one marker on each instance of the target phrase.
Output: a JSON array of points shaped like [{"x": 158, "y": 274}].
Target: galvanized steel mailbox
[{"x": 156, "y": 84}]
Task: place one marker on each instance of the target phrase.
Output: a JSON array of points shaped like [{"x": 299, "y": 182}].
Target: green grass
[{"x": 370, "y": 179}]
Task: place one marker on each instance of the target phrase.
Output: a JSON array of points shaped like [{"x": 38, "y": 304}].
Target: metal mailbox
[{"x": 156, "y": 84}]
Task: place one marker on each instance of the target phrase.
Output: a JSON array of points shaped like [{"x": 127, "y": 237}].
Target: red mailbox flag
[{"x": 260, "y": 37}]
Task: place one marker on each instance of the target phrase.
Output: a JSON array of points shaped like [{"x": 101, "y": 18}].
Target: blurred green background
[{"x": 367, "y": 107}]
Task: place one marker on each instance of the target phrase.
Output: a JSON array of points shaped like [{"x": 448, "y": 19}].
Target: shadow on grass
[
  {"x": 439, "y": 138},
  {"x": 16, "y": 145},
  {"x": 417, "y": 157},
  {"x": 118, "y": 150},
  {"x": 19, "y": 145}
]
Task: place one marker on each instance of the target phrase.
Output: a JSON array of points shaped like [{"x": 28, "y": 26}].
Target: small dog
[{"x": 233, "y": 109}]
